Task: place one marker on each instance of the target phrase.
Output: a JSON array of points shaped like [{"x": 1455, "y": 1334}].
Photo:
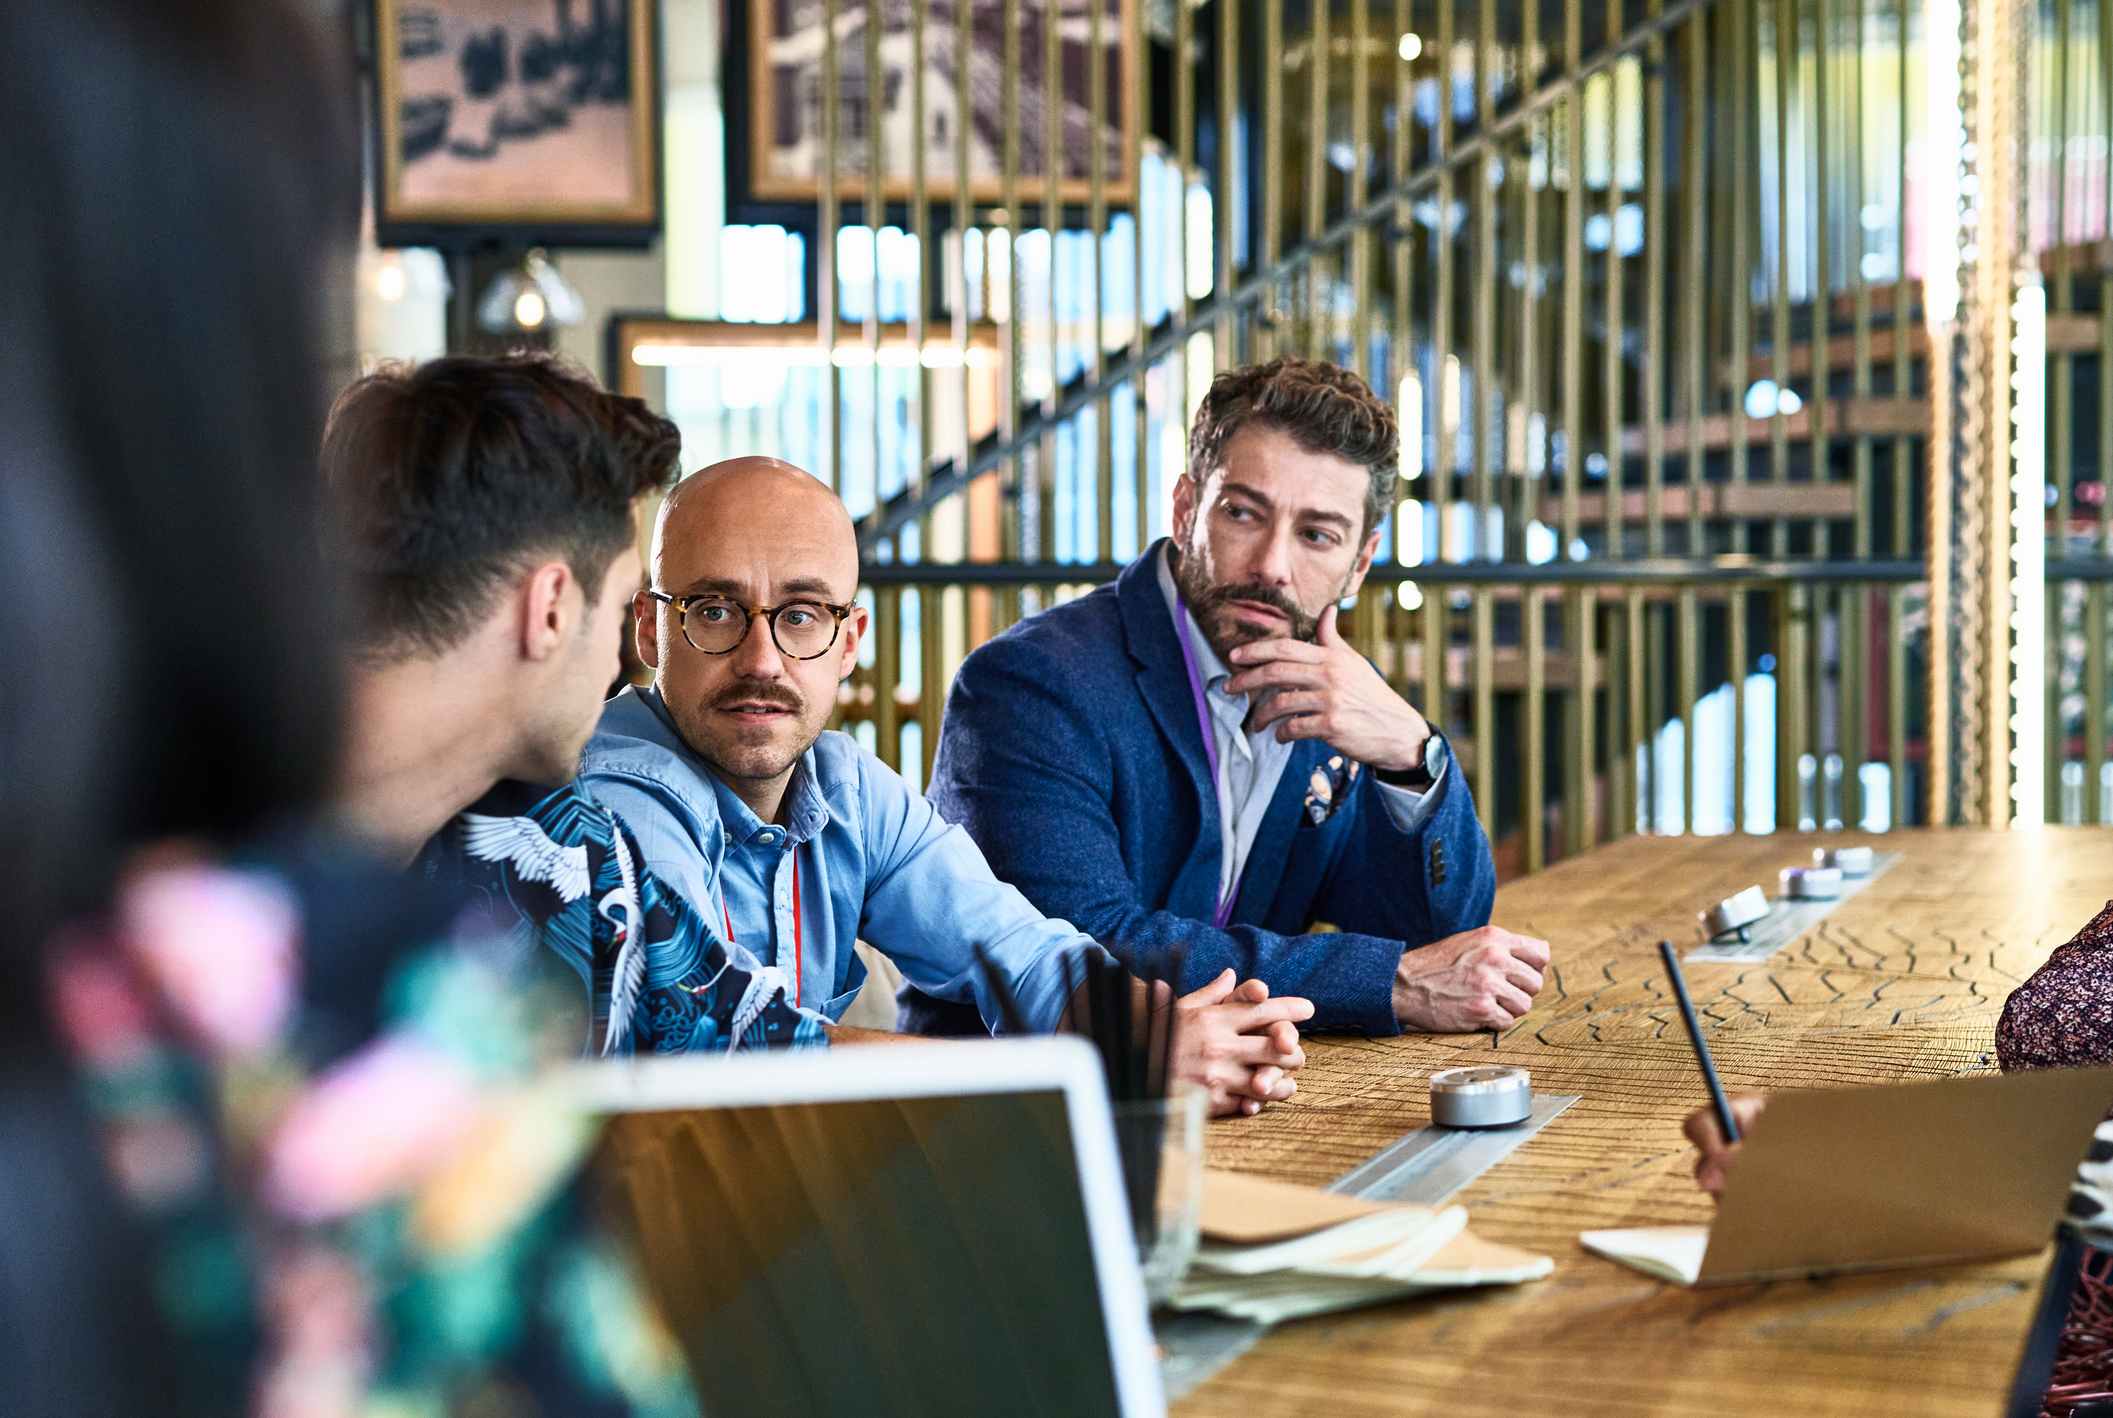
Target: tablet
[{"x": 913, "y": 1229}]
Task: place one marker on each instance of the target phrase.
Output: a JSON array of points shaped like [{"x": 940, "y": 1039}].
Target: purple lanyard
[{"x": 1204, "y": 722}]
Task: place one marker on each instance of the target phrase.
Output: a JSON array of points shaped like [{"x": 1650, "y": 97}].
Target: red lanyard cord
[{"x": 798, "y": 929}]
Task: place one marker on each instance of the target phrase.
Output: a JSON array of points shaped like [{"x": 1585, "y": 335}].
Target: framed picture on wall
[
  {"x": 775, "y": 70},
  {"x": 529, "y": 120}
]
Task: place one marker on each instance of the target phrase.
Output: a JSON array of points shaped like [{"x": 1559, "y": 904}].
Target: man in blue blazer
[{"x": 1191, "y": 764}]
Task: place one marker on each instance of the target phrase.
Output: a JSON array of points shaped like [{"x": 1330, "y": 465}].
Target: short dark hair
[
  {"x": 448, "y": 477},
  {"x": 1324, "y": 407}
]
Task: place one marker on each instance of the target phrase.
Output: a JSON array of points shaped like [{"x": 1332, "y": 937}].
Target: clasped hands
[{"x": 1231, "y": 1037}]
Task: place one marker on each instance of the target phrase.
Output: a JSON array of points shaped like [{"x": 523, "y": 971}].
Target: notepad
[
  {"x": 1273, "y": 1251},
  {"x": 1850, "y": 1179},
  {"x": 1669, "y": 1252}
]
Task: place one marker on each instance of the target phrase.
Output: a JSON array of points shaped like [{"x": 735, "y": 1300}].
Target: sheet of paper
[
  {"x": 1362, "y": 1245},
  {"x": 1246, "y": 1211},
  {"x": 1293, "y": 1298},
  {"x": 1400, "y": 1258},
  {"x": 1252, "y": 1226},
  {"x": 1463, "y": 1261},
  {"x": 1467, "y": 1259},
  {"x": 1667, "y": 1252}
]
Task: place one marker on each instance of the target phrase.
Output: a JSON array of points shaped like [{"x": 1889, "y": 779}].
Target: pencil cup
[{"x": 1160, "y": 1141}]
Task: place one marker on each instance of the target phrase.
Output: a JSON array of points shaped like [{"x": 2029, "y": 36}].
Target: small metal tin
[
  {"x": 1734, "y": 913},
  {"x": 1481, "y": 1096},
  {"x": 1851, "y": 861},
  {"x": 1812, "y": 883}
]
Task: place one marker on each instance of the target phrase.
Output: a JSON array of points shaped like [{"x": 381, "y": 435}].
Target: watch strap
[{"x": 1418, "y": 779}]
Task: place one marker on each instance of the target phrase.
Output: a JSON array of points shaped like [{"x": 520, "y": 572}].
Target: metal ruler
[{"x": 1431, "y": 1164}]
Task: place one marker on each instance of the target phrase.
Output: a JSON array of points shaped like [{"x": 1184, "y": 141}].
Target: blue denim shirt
[{"x": 874, "y": 861}]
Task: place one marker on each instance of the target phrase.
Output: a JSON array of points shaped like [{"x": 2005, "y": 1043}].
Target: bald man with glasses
[{"x": 795, "y": 841}]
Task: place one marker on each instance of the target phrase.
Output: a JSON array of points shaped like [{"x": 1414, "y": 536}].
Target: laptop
[
  {"x": 1853, "y": 1179},
  {"x": 915, "y": 1229}
]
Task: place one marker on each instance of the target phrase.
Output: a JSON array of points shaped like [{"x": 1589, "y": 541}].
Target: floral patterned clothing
[
  {"x": 316, "y": 1089},
  {"x": 2062, "y": 1017}
]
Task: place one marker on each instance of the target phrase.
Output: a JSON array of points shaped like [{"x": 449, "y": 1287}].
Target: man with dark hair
[
  {"x": 485, "y": 508},
  {"x": 1192, "y": 762}
]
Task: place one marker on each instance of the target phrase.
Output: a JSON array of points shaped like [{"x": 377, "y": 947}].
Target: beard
[
  {"x": 752, "y": 752},
  {"x": 1209, "y": 603}
]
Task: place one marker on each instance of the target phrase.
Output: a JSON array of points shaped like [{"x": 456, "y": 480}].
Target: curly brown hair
[{"x": 1324, "y": 407}]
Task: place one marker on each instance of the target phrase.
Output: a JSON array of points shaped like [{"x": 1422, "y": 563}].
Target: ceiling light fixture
[{"x": 527, "y": 298}]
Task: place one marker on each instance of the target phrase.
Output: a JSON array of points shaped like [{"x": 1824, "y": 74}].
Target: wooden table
[{"x": 1903, "y": 981}]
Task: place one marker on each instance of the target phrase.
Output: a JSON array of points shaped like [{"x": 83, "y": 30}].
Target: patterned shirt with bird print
[{"x": 659, "y": 979}]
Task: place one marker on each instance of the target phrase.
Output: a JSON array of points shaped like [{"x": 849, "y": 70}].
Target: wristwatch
[{"x": 1422, "y": 777}]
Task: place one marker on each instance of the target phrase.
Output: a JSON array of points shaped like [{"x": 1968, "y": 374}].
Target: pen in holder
[{"x": 1158, "y": 1119}]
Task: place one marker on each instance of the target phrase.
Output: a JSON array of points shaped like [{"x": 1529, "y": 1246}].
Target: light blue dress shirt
[{"x": 875, "y": 861}]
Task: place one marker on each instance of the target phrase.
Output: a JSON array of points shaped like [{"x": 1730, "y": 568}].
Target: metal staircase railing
[{"x": 1638, "y": 276}]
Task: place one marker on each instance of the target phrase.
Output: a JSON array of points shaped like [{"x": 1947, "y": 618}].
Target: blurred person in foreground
[{"x": 268, "y": 1148}]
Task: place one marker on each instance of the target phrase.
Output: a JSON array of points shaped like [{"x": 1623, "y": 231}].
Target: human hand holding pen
[
  {"x": 1714, "y": 1130},
  {"x": 1715, "y": 1156}
]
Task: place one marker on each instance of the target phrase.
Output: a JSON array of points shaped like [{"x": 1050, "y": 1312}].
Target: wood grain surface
[{"x": 1903, "y": 981}]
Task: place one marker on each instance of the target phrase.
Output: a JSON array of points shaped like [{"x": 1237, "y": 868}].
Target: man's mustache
[
  {"x": 1303, "y": 626},
  {"x": 774, "y": 696}
]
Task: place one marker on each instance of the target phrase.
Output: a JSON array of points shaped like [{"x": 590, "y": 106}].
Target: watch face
[{"x": 1435, "y": 753}]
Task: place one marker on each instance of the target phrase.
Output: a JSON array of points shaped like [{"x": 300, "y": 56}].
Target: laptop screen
[{"x": 913, "y": 1256}]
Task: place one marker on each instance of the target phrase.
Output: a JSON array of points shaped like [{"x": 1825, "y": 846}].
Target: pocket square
[{"x": 1328, "y": 788}]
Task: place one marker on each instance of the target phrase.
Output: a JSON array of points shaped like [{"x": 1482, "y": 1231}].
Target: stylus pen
[{"x": 1729, "y": 1128}]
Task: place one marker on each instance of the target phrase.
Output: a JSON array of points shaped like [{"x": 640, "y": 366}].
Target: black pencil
[{"x": 1725, "y": 1122}]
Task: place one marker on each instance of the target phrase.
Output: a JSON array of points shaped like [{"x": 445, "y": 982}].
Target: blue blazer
[{"x": 1071, "y": 753}]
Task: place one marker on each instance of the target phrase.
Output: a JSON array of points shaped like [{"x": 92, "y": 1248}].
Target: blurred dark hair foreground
[
  {"x": 176, "y": 187},
  {"x": 176, "y": 181}
]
